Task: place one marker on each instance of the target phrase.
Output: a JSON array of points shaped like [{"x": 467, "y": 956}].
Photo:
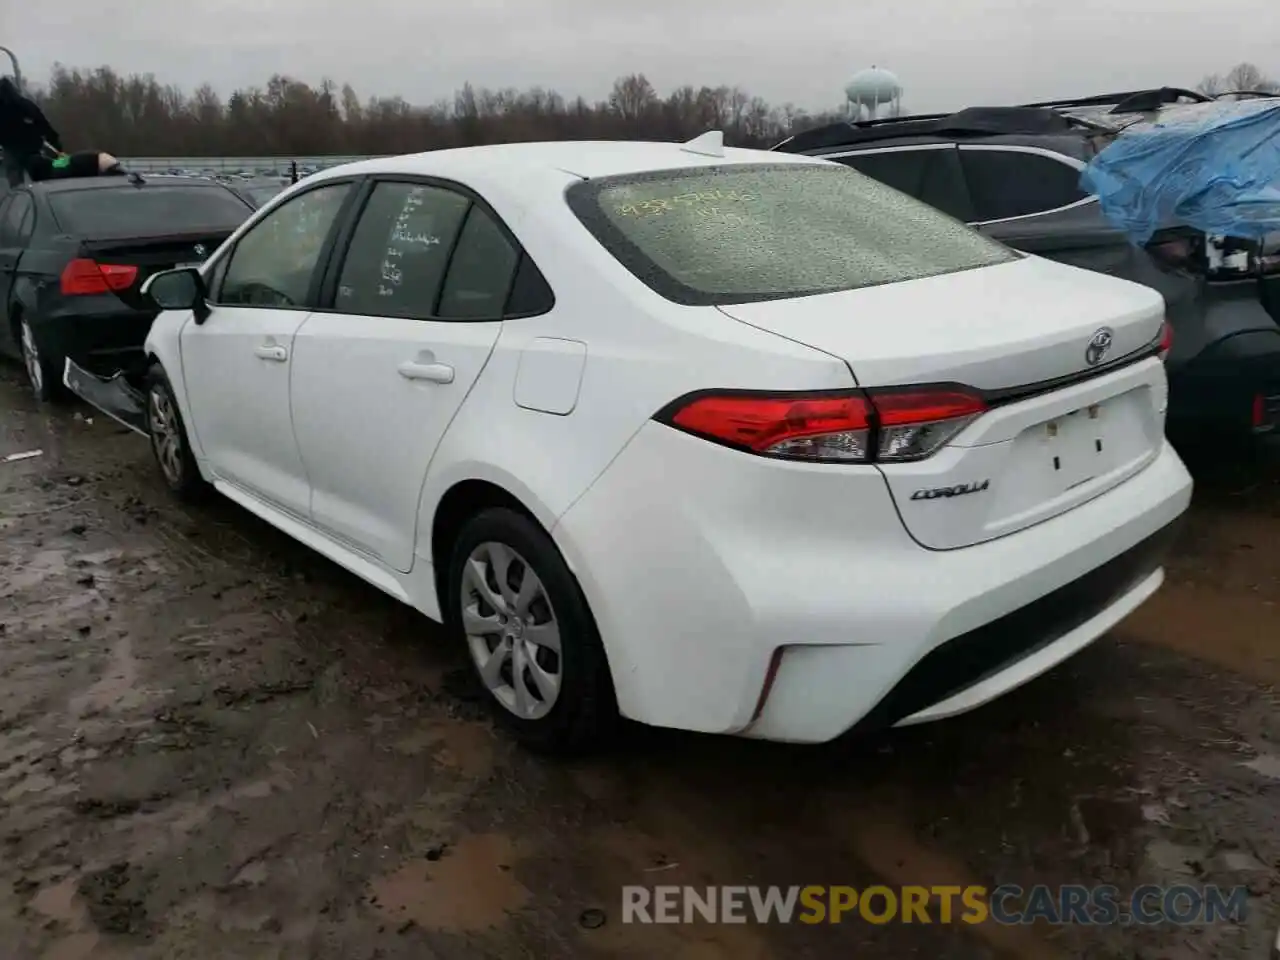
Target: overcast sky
[{"x": 947, "y": 53}]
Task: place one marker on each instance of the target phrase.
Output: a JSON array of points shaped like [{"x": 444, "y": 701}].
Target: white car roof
[{"x": 582, "y": 158}]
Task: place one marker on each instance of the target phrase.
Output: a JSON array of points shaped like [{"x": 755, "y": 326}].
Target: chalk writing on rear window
[
  {"x": 658, "y": 206},
  {"x": 404, "y": 234}
]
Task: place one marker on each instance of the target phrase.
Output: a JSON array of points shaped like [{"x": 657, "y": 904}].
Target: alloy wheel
[
  {"x": 166, "y": 436},
  {"x": 512, "y": 630}
]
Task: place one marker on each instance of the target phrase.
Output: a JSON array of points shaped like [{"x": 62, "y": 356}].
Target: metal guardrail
[{"x": 232, "y": 165}]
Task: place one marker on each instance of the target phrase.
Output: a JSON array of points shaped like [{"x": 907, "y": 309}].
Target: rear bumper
[
  {"x": 1231, "y": 389},
  {"x": 708, "y": 571},
  {"x": 113, "y": 395},
  {"x": 103, "y": 341},
  {"x": 1213, "y": 392},
  {"x": 978, "y": 666}
]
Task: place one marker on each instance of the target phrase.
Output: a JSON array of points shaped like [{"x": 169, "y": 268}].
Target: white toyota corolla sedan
[{"x": 708, "y": 438}]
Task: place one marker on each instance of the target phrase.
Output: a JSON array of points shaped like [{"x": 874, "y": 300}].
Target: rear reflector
[
  {"x": 86, "y": 277},
  {"x": 858, "y": 426}
]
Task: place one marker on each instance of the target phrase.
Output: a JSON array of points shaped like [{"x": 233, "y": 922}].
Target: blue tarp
[{"x": 1214, "y": 167}]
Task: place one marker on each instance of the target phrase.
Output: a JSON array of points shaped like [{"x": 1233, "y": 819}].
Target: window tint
[
  {"x": 739, "y": 233},
  {"x": 901, "y": 169},
  {"x": 931, "y": 176},
  {"x": 150, "y": 210},
  {"x": 15, "y": 223},
  {"x": 272, "y": 265},
  {"x": 1006, "y": 183},
  {"x": 530, "y": 293},
  {"x": 480, "y": 271},
  {"x": 399, "y": 251}
]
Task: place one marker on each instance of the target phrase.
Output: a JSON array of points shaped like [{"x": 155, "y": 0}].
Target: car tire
[
  {"x": 581, "y": 714},
  {"x": 44, "y": 370},
  {"x": 167, "y": 433}
]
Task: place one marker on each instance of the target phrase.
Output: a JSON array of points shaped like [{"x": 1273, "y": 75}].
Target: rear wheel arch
[
  {"x": 183, "y": 475},
  {"x": 459, "y": 504}
]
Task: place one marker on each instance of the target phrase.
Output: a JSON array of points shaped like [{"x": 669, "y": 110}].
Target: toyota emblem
[
  {"x": 200, "y": 250},
  {"x": 1099, "y": 346}
]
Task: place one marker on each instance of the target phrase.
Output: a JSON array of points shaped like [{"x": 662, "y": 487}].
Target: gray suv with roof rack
[{"x": 1014, "y": 173}]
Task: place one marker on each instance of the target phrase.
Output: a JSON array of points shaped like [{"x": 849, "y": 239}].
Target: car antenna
[{"x": 709, "y": 144}]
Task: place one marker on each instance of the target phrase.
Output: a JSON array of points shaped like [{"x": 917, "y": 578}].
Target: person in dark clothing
[
  {"x": 24, "y": 131},
  {"x": 88, "y": 163}
]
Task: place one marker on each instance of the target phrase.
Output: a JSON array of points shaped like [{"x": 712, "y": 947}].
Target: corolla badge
[
  {"x": 201, "y": 251},
  {"x": 1099, "y": 347},
  {"x": 959, "y": 490}
]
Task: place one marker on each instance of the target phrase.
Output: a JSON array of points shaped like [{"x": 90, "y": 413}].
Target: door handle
[
  {"x": 272, "y": 352},
  {"x": 433, "y": 372}
]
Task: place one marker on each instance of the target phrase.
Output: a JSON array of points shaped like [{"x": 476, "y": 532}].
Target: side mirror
[{"x": 180, "y": 289}]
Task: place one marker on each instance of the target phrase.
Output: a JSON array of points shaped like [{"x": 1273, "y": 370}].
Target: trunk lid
[
  {"x": 1060, "y": 429},
  {"x": 151, "y": 255},
  {"x": 993, "y": 328}
]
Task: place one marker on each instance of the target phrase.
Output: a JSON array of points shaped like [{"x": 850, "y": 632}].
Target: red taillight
[
  {"x": 853, "y": 427},
  {"x": 1166, "y": 340},
  {"x": 83, "y": 277},
  {"x": 1259, "y": 417}
]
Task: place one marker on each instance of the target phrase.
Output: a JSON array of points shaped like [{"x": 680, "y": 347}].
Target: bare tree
[{"x": 1241, "y": 77}]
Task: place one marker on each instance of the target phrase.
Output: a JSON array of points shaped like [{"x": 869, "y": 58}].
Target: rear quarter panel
[{"x": 641, "y": 352}]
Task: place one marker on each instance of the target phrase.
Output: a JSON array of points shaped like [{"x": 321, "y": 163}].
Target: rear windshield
[
  {"x": 735, "y": 234},
  {"x": 147, "y": 210}
]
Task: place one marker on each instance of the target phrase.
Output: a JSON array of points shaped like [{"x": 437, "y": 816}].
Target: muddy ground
[{"x": 215, "y": 744}]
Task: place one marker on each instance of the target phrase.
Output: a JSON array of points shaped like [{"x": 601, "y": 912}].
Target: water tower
[{"x": 871, "y": 89}]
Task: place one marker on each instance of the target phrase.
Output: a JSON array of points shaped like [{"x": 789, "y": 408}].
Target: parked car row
[
  {"x": 1014, "y": 173},
  {"x": 733, "y": 441}
]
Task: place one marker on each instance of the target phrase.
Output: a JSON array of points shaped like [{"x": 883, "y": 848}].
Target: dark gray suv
[{"x": 1014, "y": 173}]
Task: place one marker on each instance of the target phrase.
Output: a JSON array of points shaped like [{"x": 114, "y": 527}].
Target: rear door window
[
  {"x": 147, "y": 211},
  {"x": 1009, "y": 183},
  {"x": 932, "y": 176},
  {"x": 399, "y": 251}
]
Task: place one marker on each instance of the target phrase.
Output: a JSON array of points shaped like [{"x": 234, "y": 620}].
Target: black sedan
[{"x": 74, "y": 255}]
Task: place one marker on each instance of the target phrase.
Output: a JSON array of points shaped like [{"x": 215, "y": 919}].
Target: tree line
[{"x": 137, "y": 115}]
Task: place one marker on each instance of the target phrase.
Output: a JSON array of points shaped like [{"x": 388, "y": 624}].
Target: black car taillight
[
  {"x": 85, "y": 277},
  {"x": 858, "y": 426}
]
